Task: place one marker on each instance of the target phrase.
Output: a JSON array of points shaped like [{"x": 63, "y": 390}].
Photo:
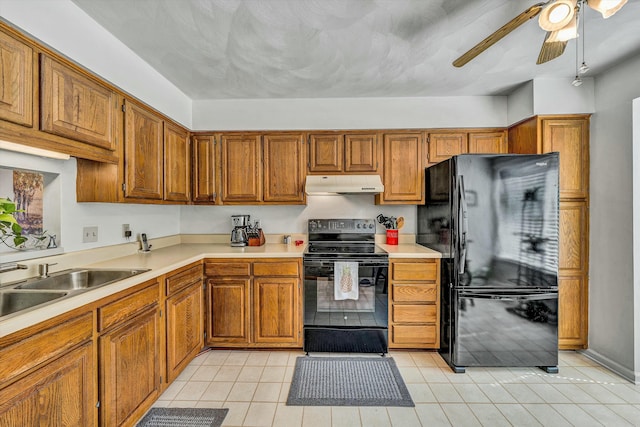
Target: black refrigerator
[{"x": 495, "y": 220}]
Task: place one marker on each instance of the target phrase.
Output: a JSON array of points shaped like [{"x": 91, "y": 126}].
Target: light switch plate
[{"x": 89, "y": 234}]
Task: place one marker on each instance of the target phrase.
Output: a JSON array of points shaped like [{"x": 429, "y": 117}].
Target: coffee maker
[{"x": 240, "y": 224}]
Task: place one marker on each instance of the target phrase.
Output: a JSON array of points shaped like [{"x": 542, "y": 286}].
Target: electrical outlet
[
  {"x": 126, "y": 231},
  {"x": 89, "y": 234}
]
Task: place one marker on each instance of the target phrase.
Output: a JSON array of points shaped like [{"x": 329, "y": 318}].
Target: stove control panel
[{"x": 363, "y": 226}]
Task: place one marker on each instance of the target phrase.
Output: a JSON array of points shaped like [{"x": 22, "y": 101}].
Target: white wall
[
  {"x": 612, "y": 285},
  {"x": 636, "y": 236},
  {"x": 156, "y": 221},
  {"x": 293, "y": 219},
  {"x": 66, "y": 28},
  {"x": 520, "y": 103},
  {"x": 350, "y": 113},
  {"x": 559, "y": 96}
]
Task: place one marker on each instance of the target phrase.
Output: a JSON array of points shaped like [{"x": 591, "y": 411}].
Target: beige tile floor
[{"x": 254, "y": 386}]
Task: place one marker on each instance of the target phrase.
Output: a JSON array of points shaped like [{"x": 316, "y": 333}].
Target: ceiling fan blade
[
  {"x": 550, "y": 50},
  {"x": 499, "y": 34}
]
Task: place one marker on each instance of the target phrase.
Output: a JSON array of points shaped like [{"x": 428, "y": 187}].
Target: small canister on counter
[{"x": 286, "y": 240}]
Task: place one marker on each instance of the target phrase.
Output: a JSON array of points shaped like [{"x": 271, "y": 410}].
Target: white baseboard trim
[{"x": 626, "y": 373}]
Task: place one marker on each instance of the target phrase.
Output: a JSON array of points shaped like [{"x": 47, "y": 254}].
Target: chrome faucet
[{"x": 43, "y": 269}]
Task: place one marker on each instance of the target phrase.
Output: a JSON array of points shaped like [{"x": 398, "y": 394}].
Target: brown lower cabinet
[
  {"x": 254, "y": 303},
  {"x": 414, "y": 309}
]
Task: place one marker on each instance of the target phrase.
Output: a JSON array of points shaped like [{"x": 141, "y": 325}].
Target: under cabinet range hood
[{"x": 343, "y": 184}]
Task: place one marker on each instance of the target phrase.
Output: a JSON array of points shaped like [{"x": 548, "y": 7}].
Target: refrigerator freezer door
[{"x": 506, "y": 329}]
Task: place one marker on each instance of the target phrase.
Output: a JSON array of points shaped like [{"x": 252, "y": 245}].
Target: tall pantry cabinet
[{"x": 568, "y": 135}]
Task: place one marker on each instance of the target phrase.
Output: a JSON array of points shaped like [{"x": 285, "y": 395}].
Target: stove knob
[
  {"x": 358, "y": 225},
  {"x": 370, "y": 225}
]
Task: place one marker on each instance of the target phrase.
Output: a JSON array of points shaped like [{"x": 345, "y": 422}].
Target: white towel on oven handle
[{"x": 345, "y": 280}]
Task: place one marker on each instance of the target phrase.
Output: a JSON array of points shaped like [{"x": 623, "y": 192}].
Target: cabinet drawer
[
  {"x": 232, "y": 268},
  {"x": 43, "y": 346},
  {"x": 183, "y": 279},
  {"x": 410, "y": 334},
  {"x": 414, "y": 313},
  {"x": 280, "y": 268},
  {"x": 127, "y": 306},
  {"x": 402, "y": 292},
  {"x": 415, "y": 271}
]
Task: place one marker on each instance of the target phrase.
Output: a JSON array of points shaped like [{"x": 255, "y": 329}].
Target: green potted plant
[{"x": 9, "y": 227}]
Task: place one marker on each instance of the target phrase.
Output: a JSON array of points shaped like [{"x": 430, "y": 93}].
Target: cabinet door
[
  {"x": 444, "y": 145},
  {"x": 570, "y": 138},
  {"x": 326, "y": 153},
  {"x": 143, "y": 153},
  {"x": 130, "y": 369},
  {"x": 16, "y": 81},
  {"x": 228, "y": 311},
  {"x": 61, "y": 393},
  {"x": 177, "y": 163},
  {"x": 204, "y": 169},
  {"x": 185, "y": 328},
  {"x": 573, "y": 306},
  {"x": 361, "y": 153},
  {"x": 487, "y": 142},
  {"x": 283, "y": 168},
  {"x": 403, "y": 168},
  {"x": 241, "y": 168},
  {"x": 76, "y": 107},
  {"x": 276, "y": 310},
  {"x": 573, "y": 256}
]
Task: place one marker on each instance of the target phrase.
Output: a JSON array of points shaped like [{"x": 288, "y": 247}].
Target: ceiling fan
[{"x": 559, "y": 18}]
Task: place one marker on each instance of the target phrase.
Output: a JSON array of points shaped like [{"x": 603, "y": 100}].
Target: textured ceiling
[{"x": 222, "y": 49}]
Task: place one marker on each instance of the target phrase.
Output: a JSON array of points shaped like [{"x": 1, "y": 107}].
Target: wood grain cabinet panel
[
  {"x": 276, "y": 310},
  {"x": 130, "y": 369},
  {"x": 572, "y": 306},
  {"x": 488, "y": 142},
  {"x": 284, "y": 168},
  {"x": 414, "y": 303},
  {"x": 185, "y": 328},
  {"x": 241, "y": 168},
  {"x": 144, "y": 149},
  {"x": 444, "y": 145},
  {"x": 572, "y": 249},
  {"x": 569, "y": 137},
  {"x": 60, "y": 393},
  {"x": 361, "y": 153},
  {"x": 326, "y": 153},
  {"x": 16, "y": 81},
  {"x": 177, "y": 164},
  {"x": 76, "y": 107},
  {"x": 228, "y": 311},
  {"x": 204, "y": 169},
  {"x": 403, "y": 176}
]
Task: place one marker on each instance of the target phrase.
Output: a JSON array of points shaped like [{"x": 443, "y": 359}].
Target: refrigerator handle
[{"x": 463, "y": 225}]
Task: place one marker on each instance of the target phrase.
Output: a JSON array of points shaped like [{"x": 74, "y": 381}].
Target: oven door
[
  {"x": 345, "y": 304},
  {"x": 345, "y": 292}
]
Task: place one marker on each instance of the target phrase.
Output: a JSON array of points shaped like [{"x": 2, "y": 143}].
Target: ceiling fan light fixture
[
  {"x": 557, "y": 15},
  {"x": 583, "y": 68},
  {"x": 568, "y": 32},
  {"x": 606, "y": 7},
  {"x": 577, "y": 81}
]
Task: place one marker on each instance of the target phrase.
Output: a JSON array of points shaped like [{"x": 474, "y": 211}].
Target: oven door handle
[{"x": 328, "y": 262}]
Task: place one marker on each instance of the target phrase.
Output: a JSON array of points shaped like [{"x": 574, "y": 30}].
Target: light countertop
[{"x": 166, "y": 259}]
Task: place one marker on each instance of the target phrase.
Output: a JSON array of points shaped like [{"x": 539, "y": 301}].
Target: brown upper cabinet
[
  {"x": 143, "y": 152},
  {"x": 262, "y": 168},
  {"x": 403, "y": 160},
  {"x": 177, "y": 163},
  {"x": 283, "y": 168},
  {"x": 76, "y": 107},
  {"x": 446, "y": 144},
  {"x": 566, "y": 134},
  {"x": 16, "y": 81},
  {"x": 488, "y": 142},
  {"x": 204, "y": 169},
  {"x": 343, "y": 153},
  {"x": 241, "y": 168},
  {"x": 443, "y": 145}
]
